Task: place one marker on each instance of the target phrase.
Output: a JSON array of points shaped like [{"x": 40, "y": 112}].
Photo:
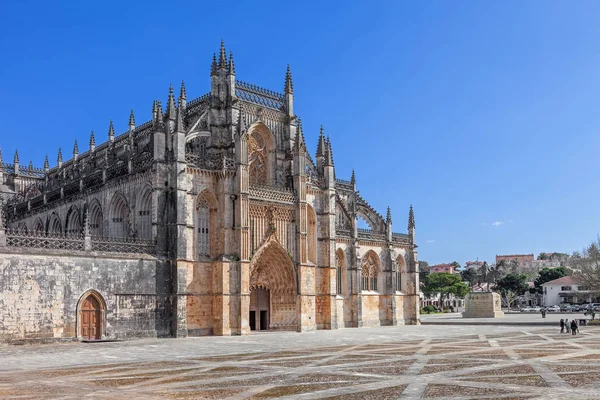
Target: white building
[{"x": 565, "y": 290}]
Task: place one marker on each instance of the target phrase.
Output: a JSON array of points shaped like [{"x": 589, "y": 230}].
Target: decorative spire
[
  {"x": 0, "y": 157},
  {"x": 46, "y": 164},
  {"x": 388, "y": 217},
  {"x": 75, "y": 150},
  {"x": 92, "y": 141},
  {"x": 131, "y": 121},
  {"x": 30, "y": 165},
  {"x": 111, "y": 132},
  {"x": 171, "y": 111},
  {"x": 159, "y": 112},
  {"x": 300, "y": 142},
  {"x": 154, "y": 110},
  {"x": 16, "y": 158},
  {"x": 179, "y": 120},
  {"x": 231, "y": 64},
  {"x": 411, "y": 218},
  {"x": 330, "y": 150},
  {"x": 353, "y": 178},
  {"x": 182, "y": 95},
  {"x": 59, "y": 157},
  {"x": 213, "y": 66},
  {"x": 328, "y": 153},
  {"x": 289, "y": 86},
  {"x": 222, "y": 56},
  {"x": 321, "y": 146}
]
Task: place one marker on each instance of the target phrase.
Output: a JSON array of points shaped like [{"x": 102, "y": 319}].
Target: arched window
[
  {"x": 206, "y": 209},
  {"x": 73, "y": 222},
  {"x": 38, "y": 226},
  {"x": 312, "y": 235},
  {"x": 96, "y": 221},
  {"x": 339, "y": 268},
  {"x": 21, "y": 228},
  {"x": 118, "y": 217},
  {"x": 370, "y": 271},
  {"x": 144, "y": 217},
  {"x": 258, "y": 149},
  {"x": 400, "y": 270},
  {"x": 54, "y": 225}
]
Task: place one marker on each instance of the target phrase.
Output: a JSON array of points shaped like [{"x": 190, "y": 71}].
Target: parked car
[
  {"x": 573, "y": 308},
  {"x": 525, "y": 309},
  {"x": 554, "y": 308},
  {"x": 536, "y": 309}
]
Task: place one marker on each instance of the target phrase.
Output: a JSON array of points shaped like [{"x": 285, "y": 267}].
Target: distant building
[
  {"x": 522, "y": 259},
  {"x": 566, "y": 290},
  {"x": 474, "y": 264},
  {"x": 442, "y": 268}
]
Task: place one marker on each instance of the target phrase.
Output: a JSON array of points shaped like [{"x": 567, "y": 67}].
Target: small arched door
[{"x": 91, "y": 318}]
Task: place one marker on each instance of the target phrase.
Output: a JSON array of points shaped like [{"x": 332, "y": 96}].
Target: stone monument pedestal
[{"x": 483, "y": 305}]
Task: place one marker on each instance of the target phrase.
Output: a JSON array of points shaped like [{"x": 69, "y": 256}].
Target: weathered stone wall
[
  {"x": 40, "y": 293},
  {"x": 199, "y": 299},
  {"x": 370, "y": 310}
]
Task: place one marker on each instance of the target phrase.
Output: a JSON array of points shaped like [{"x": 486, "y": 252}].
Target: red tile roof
[{"x": 565, "y": 280}]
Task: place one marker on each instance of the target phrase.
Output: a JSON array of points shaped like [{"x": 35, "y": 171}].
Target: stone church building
[{"x": 209, "y": 219}]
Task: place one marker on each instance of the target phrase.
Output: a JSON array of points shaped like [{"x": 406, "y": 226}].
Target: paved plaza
[{"x": 437, "y": 362}]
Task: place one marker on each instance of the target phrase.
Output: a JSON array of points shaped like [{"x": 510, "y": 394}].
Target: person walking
[
  {"x": 562, "y": 326},
  {"x": 573, "y": 327},
  {"x": 567, "y": 325}
]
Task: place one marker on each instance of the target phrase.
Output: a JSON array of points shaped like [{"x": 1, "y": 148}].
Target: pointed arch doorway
[
  {"x": 273, "y": 293},
  {"x": 91, "y": 316}
]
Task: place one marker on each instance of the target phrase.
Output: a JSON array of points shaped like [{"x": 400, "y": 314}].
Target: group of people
[{"x": 571, "y": 327}]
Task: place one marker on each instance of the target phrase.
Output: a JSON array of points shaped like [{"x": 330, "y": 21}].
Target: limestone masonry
[
  {"x": 209, "y": 219},
  {"x": 483, "y": 305}
]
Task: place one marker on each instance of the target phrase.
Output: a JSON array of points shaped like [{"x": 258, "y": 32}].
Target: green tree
[
  {"x": 510, "y": 286},
  {"x": 514, "y": 282},
  {"x": 542, "y": 256},
  {"x": 547, "y": 275},
  {"x": 456, "y": 265},
  {"x": 423, "y": 270},
  {"x": 445, "y": 284},
  {"x": 468, "y": 275}
]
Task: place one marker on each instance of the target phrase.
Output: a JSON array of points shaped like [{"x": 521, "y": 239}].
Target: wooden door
[{"x": 90, "y": 318}]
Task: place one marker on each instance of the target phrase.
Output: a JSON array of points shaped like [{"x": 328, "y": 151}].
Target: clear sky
[{"x": 485, "y": 115}]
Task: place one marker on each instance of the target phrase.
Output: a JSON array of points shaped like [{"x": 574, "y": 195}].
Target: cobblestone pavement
[{"x": 437, "y": 362}]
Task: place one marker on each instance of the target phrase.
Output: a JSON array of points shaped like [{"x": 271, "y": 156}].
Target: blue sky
[{"x": 484, "y": 115}]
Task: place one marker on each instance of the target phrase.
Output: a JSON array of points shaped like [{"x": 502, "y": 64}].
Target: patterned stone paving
[{"x": 526, "y": 363}]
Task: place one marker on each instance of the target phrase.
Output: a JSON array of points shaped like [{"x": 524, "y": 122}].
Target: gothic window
[
  {"x": 96, "y": 219},
  {"x": 22, "y": 228},
  {"x": 54, "y": 225},
  {"x": 38, "y": 226},
  {"x": 73, "y": 222},
  {"x": 144, "y": 216},
  {"x": 119, "y": 217},
  {"x": 339, "y": 266},
  {"x": 400, "y": 270},
  {"x": 312, "y": 235},
  {"x": 205, "y": 225},
  {"x": 203, "y": 229},
  {"x": 370, "y": 271},
  {"x": 257, "y": 158}
]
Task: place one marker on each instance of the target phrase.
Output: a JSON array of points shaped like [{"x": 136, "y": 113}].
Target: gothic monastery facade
[{"x": 209, "y": 219}]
